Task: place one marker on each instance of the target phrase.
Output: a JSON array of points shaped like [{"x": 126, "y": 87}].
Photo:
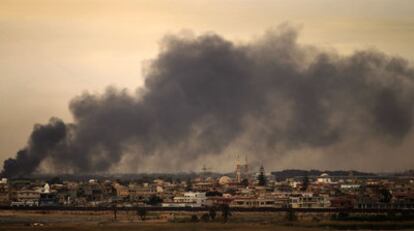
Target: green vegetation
[
  {"x": 142, "y": 213},
  {"x": 212, "y": 213},
  {"x": 157, "y": 227},
  {"x": 225, "y": 212},
  {"x": 291, "y": 216},
  {"x": 154, "y": 200},
  {"x": 373, "y": 217},
  {"x": 305, "y": 183},
  {"x": 262, "y": 178}
]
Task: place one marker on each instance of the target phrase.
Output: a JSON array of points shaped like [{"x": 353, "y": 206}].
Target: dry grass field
[
  {"x": 154, "y": 227},
  {"x": 180, "y": 221}
]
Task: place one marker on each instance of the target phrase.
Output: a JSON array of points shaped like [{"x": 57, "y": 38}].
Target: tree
[
  {"x": 262, "y": 179},
  {"x": 214, "y": 194},
  {"x": 115, "y": 210},
  {"x": 225, "y": 212},
  {"x": 291, "y": 216},
  {"x": 305, "y": 183},
  {"x": 385, "y": 196},
  {"x": 189, "y": 185},
  {"x": 194, "y": 218},
  {"x": 212, "y": 213},
  {"x": 245, "y": 182},
  {"x": 142, "y": 213},
  {"x": 205, "y": 217},
  {"x": 154, "y": 200},
  {"x": 231, "y": 191},
  {"x": 55, "y": 180}
]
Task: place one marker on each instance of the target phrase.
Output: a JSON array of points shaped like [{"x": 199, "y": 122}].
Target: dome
[
  {"x": 324, "y": 175},
  {"x": 46, "y": 188},
  {"x": 224, "y": 180}
]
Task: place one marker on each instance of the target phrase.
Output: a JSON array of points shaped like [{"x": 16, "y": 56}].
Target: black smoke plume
[{"x": 205, "y": 95}]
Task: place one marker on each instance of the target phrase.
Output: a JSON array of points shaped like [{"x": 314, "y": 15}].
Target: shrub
[
  {"x": 205, "y": 217},
  {"x": 194, "y": 218}
]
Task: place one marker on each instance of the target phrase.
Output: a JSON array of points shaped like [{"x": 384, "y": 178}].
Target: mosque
[{"x": 242, "y": 170}]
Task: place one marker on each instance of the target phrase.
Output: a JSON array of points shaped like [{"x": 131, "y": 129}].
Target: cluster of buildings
[{"x": 241, "y": 189}]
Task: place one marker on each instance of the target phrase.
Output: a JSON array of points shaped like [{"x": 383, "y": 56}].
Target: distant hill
[
  {"x": 292, "y": 173},
  {"x": 138, "y": 177}
]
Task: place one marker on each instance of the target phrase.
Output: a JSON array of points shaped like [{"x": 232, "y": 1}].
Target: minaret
[
  {"x": 204, "y": 171},
  {"x": 246, "y": 166},
  {"x": 238, "y": 170}
]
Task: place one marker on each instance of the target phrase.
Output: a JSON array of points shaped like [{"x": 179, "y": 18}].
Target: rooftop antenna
[
  {"x": 237, "y": 160},
  {"x": 205, "y": 168}
]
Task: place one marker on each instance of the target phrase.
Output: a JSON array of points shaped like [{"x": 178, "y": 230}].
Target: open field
[
  {"x": 198, "y": 227},
  {"x": 154, "y": 227},
  {"x": 180, "y": 221}
]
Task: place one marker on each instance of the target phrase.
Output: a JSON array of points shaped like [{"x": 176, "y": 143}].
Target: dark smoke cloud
[
  {"x": 204, "y": 95},
  {"x": 42, "y": 142}
]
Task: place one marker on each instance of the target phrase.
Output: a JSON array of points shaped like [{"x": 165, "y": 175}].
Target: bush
[
  {"x": 212, "y": 213},
  {"x": 225, "y": 212},
  {"x": 154, "y": 200},
  {"x": 205, "y": 217},
  {"x": 142, "y": 213},
  {"x": 194, "y": 218},
  {"x": 291, "y": 215},
  {"x": 342, "y": 216}
]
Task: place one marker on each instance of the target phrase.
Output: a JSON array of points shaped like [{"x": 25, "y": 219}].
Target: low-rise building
[
  {"x": 189, "y": 199},
  {"x": 252, "y": 202},
  {"x": 308, "y": 200}
]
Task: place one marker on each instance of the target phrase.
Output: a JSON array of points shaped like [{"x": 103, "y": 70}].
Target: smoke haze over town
[
  {"x": 206, "y": 99},
  {"x": 206, "y": 115}
]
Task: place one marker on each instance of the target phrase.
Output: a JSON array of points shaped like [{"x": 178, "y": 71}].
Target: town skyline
[{"x": 206, "y": 115}]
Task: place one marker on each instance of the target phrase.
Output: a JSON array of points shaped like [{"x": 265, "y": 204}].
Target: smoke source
[{"x": 205, "y": 96}]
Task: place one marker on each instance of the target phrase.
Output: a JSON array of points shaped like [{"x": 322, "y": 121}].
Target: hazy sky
[{"x": 51, "y": 51}]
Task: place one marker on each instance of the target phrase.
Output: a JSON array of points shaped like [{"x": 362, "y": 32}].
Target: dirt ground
[
  {"x": 178, "y": 221},
  {"x": 154, "y": 227},
  {"x": 91, "y": 221}
]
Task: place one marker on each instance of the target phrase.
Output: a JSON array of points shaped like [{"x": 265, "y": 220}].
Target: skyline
[{"x": 53, "y": 52}]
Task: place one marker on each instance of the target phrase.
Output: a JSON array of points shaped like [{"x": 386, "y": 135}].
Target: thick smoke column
[
  {"x": 204, "y": 95},
  {"x": 43, "y": 140}
]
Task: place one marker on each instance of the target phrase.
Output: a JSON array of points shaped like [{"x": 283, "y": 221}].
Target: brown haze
[
  {"x": 52, "y": 51},
  {"x": 207, "y": 97}
]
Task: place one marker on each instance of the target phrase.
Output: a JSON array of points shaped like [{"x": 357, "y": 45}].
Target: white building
[
  {"x": 46, "y": 188},
  {"x": 189, "y": 199},
  {"x": 324, "y": 179},
  {"x": 308, "y": 200},
  {"x": 252, "y": 202},
  {"x": 350, "y": 186}
]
